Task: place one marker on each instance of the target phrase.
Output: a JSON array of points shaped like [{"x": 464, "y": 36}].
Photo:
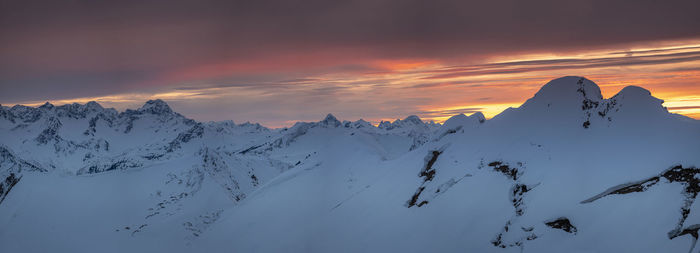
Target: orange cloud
[
  {"x": 404, "y": 64},
  {"x": 430, "y": 88}
]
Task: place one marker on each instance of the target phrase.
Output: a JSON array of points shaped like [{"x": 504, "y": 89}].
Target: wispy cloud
[{"x": 431, "y": 89}]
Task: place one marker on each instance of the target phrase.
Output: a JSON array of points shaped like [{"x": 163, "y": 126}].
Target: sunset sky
[{"x": 278, "y": 62}]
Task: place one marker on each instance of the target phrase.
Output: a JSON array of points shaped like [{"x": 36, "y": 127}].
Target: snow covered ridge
[{"x": 568, "y": 171}]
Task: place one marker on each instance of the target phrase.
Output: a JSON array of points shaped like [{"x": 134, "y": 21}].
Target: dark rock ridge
[
  {"x": 562, "y": 223},
  {"x": 506, "y": 169},
  {"x": 197, "y": 131},
  {"x": 215, "y": 165},
  {"x": 433, "y": 184},
  {"x": 688, "y": 177},
  {"x": 517, "y": 195},
  {"x": 11, "y": 170},
  {"x": 7, "y": 184},
  {"x": 330, "y": 121},
  {"x": 427, "y": 173},
  {"x": 119, "y": 163},
  {"x": 50, "y": 133}
]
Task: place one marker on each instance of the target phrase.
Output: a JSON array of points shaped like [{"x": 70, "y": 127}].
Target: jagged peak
[
  {"x": 47, "y": 105},
  {"x": 384, "y": 124},
  {"x": 361, "y": 120},
  {"x": 330, "y": 120},
  {"x": 76, "y": 110},
  {"x": 479, "y": 116},
  {"x": 413, "y": 119},
  {"x": 94, "y": 106},
  {"x": 248, "y": 123},
  {"x": 221, "y": 125},
  {"x": 256, "y": 125},
  {"x": 463, "y": 120},
  {"x": 361, "y": 123},
  {"x": 89, "y": 106},
  {"x": 156, "y": 106},
  {"x": 26, "y": 113},
  {"x": 17, "y": 108},
  {"x": 330, "y": 117}
]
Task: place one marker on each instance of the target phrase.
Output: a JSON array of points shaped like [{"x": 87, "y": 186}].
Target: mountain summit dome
[{"x": 566, "y": 92}]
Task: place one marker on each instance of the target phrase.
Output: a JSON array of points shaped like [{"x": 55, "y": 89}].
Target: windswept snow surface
[{"x": 568, "y": 171}]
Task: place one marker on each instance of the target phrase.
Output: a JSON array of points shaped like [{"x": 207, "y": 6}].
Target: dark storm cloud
[{"x": 99, "y": 47}]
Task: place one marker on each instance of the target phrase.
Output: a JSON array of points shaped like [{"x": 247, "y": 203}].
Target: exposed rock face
[
  {"x": 427, "y": 173},
  {"x": 50, "y": 133},
  {"x": 156, "y": 107},
  {"x": 517, "y": 195},
  {"x": 197, "y": 131},
  {"x": 330, "y": 121},
  {"x": 688, "y": 177},
  {"x": 11, "y": 170},
  {"x": 7, "y": 184},
  {"x": 562, "y": 223}
]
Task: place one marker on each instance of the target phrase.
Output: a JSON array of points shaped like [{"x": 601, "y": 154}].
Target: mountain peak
[
  {"x": 569, "y": 87},
  {"x": 634, "y": 91},
  {"x": 330, "y": 120},
  {"x": 577, "y": 101},
  {"x": 156, "y": 106},
  {"x": 93, "y": 106},
  {"x": 361, "y": 123},
  {"x": 638, "y": 101},
  {"x": 478, "y": 116},
  {"x": 413, "y": 119},
  {"x": 565, "y": 95},
  {"x": 409, "y": 121},
  {"x": 637, "y": 95},
  {"x": 46, "y": 105},
  {"x": 461, "y": 120}
]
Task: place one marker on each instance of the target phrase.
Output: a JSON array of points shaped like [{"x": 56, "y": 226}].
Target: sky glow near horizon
[{"x": 428, "y": 88}]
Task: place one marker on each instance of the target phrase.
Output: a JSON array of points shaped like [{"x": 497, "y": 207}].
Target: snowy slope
[{"x": 568, "y": 171}]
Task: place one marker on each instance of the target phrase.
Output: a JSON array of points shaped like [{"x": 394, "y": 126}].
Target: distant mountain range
[{"x": 568, "y": 171}]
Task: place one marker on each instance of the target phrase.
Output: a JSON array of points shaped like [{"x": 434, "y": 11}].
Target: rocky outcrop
[{"x": 689, "y": 177}]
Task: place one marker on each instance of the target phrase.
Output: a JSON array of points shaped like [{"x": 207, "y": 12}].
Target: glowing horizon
[{"x": 432, "y": 89}]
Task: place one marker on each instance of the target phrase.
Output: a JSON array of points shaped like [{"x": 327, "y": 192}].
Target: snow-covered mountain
[{"x": 568, "y": 171}]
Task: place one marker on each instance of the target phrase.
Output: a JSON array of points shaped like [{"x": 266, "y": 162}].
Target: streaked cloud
[{"x": 413, "y": 88}]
